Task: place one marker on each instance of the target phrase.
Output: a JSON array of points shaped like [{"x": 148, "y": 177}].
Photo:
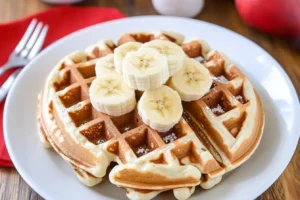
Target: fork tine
[
  {"x": 32, "y": 40},
  {"x": 39, "y": 43},
  {"x": 26, "y": 36}
]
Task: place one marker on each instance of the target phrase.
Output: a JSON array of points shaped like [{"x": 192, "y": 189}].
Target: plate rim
[{"x": 41, "y": 191}]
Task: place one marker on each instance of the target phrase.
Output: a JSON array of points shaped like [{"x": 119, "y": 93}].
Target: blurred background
[
  {"x": 277, "y": 17},
  {"x": 272, "y": 24}
]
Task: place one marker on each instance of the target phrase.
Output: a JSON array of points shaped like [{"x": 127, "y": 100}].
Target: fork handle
[
  {"x": 3, "y": 93},
  {"x": 4, "y": 68}
]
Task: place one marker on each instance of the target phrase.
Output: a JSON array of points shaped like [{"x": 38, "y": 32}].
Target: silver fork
[
  {"x": 7, "y": 85},
  {"x": 28, "y": 47}
]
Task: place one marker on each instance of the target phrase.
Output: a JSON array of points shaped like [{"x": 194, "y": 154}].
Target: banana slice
[
  {"x": 121, "y": 51},
  {"x": 110, "y": 95},
  {"x": 192, "y": 82},
  {"x": 172, "y": 51},
  {"x": 105, "y": 65},
  {"x": 145, "y": 69},
  {"x": 160, "y": 108}
]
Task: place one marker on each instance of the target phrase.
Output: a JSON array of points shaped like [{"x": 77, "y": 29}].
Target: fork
[
  {"x": 7, "y": 85},
  {"x": 28, "y": 47}
]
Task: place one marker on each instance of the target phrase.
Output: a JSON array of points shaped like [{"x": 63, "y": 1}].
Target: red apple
[{"x": 279, "y": 17}]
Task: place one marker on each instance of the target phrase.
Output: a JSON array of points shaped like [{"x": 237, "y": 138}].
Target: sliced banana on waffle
[
  {"x": 192, "y": 82},
  {"x": 110, "y": 95},
  {"x": 105, "y": 65},
  {"x": 174, "y": 53},
  {"x": 145, "y": 69},
  {"x": 121, "y": 51},
  {"x": 160, "y": 108}
]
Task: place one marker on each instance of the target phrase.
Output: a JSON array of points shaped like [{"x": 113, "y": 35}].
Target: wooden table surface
[{"x": 221, "y": 12}]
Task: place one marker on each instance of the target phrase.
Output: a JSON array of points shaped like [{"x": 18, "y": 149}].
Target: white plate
[{"x": 52, "y": 178}]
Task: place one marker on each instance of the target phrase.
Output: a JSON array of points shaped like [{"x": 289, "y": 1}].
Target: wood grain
[{"x": 221, "y": 12}]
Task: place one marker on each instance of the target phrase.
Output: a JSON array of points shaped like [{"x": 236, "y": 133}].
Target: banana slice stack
[
  {"x": 145, "y": 69},
  {"x": 136, "y": 67}
]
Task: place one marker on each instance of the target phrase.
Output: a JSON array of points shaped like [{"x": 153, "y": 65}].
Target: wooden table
[{"x": 221, "y": 12}]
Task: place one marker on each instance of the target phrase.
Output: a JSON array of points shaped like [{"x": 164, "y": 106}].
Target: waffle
[{"x": 216, "y": 133}]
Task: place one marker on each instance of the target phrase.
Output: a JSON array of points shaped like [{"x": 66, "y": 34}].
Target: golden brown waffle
[{"x": 216, "y": 133}]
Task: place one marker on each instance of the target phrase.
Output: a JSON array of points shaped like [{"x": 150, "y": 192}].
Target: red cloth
[{"x": 62, "y": 21}]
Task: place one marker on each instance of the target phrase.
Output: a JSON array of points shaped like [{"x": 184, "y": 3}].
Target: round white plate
[{"x": 48, "y": 174}]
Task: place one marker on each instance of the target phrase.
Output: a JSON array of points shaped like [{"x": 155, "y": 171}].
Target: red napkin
[{"x": 62, "y": 21}]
